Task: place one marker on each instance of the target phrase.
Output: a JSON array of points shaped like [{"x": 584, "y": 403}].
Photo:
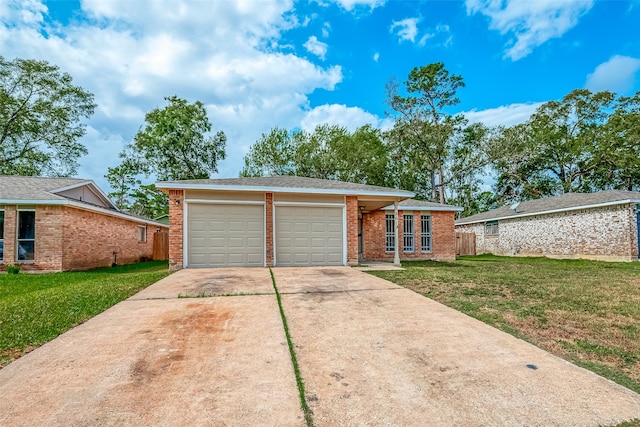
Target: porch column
[{"x": 396, "y": 254}]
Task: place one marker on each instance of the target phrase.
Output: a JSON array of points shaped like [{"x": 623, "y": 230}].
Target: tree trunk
[
  {"x": 432, "y": 176},
  {"x": 441, "y": 185}
]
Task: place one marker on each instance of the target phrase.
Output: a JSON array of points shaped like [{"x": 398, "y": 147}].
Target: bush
[{"x": 13, "y": 269}]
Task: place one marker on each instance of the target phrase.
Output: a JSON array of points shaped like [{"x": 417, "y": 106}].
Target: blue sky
[{"x": 296, "y": 64}]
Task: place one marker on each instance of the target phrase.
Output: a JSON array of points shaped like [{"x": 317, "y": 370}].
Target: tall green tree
[
  {"x": 174, "y": 144},
  {"x": 329, "y": 152},
  {"x": 41, "y": 113},
  {"x": 423, "y": 128},
  {"x": 556, "y": 150},
  {"x": 617, "y": 154}
]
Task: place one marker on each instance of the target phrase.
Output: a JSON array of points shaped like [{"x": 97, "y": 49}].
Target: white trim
[
  {"x": 574, "y": 208},
  {"x": 311, "y": 204},
  {"x": 344, "y": 232},
  {"x": 225, "y": 202},
  {"x": 185, "y": 240},
  {"x": 267, "y": 189},
  {"x": 71, "y": 187},
  {"x": 424, "y": 208}
]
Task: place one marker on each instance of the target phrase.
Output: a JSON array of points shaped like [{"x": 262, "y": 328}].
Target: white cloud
[
  {"x": 376, "y": 56},
  {"x": 315, "y": 46},
  {"x": 406, "y": 29},
  {"x": 530, "y": 23},
  {"x": 326, "y": 29},
  {"x": 442, "y": 32},
  {"x": 505, "y": 115},
  {"x": 352, "y": 4},
  {"x": 339, "y": 114},
  {"x": 132, "y": 54},
  {"x": 618, "y": 74}
]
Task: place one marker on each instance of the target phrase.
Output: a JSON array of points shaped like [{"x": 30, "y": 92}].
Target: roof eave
[
  {"x": 271, "y": 189},
  {"x": 425, "y": 208},
  {"x": 60, "y": 201},
  {"x": 574, "y": 208}
]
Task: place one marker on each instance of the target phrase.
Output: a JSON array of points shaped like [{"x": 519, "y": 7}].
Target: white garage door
[
  {"x": 225, "y": 235},
  {"x": 308, "y": 235}
]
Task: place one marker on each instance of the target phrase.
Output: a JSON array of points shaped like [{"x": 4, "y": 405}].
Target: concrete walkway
[{"x": 370, "y": 353}]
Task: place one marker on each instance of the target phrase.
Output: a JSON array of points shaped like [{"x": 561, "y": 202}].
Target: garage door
[
  {"x": 308, "y": 235},
  {"x": 225, "y": 235}
]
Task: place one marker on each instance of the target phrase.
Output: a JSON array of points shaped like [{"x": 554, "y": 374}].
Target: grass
[
  {"x": 587, "y": 312},
  {"x": 35, "y": 308},
  {"x": 308, "y": 415}
]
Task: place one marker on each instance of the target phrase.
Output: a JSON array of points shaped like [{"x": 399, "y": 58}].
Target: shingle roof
[
  {"x": 564, "y": 202},
  {"x": 33, "y": 187},
  {"x": 413, "y": 203},
  {"x": 281, "y": 182}
]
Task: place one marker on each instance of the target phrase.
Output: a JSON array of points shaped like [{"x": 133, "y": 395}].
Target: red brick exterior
[
  {"x": 352, "y": 230},
  {"x": 268, "y": 199},
  {"x": 443, "y": 244},
  {"x": 69, "y": 238},
  {"x": 176, "y": 233}
]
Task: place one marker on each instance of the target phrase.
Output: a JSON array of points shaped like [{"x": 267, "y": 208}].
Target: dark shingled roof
[
  {"x": 568, "y": 201},
  {"x": 33, "y": 187},
  {"x": 284, "y": 182}
]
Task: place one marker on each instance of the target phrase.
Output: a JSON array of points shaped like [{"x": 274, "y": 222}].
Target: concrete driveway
[{"x": 370, "y": 353}]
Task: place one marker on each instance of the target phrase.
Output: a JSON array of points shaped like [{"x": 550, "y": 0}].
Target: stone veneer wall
[{"x": 604, "y": 233}]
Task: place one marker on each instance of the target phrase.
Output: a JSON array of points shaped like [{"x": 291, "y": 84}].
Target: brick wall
[
  {"x": 176, "y": 232},
  {"x": 351, "y": 203},
  {"x": 442, "y": 231},
  {"x": 89, "y": 240},
  {"x": 605, "y": 233},
  {"x": 68, "y": 238},
  {"x": 9, "y": 236},
  {"x": 268, "y": 199}
]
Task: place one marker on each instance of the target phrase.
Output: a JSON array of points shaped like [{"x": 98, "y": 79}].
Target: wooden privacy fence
[
  {"x": 465, "y": 243},
  {"x": 160, "y": 246}
]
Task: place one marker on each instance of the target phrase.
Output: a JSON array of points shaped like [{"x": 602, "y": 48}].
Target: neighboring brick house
[
  {"x": 60, "y": 224},
  {"x": 296, "y": 221},
  {"x": 601, "y": 225}
]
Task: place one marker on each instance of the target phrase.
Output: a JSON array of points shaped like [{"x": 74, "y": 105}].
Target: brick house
[
  {"x": 601, "y": 226},
  {"x": 60, "y": 224},
  {"x": 296, "y": 221}
]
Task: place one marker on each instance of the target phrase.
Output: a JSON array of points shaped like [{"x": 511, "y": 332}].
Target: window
[
  {"x": 425, "y": 233},
  {"x": 407, "y": 232},
  {"x": 1, "y": 235},
  {"x": 142, "y": 233},
  {"x": 391, "y": 233},
  {"x": 26, "y": 235},
  {"x": 491, "y": 228}
]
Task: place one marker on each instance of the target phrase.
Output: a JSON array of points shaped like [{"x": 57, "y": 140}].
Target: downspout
[{"x": 396, "y": 255}]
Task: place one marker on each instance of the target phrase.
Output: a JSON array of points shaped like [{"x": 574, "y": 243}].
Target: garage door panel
[
  {"x": 309, "y": 235},
  {"x": 225, "y": 235},
  {"x": 255, "y": 243}
]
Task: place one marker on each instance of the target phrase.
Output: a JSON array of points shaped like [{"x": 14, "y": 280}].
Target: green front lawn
[
  {"x": 35, "y": 308},
  {"x": 587, "y": 312}
]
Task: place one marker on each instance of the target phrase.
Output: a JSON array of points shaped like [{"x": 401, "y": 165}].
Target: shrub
[{"x": 13, "y": 269}]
